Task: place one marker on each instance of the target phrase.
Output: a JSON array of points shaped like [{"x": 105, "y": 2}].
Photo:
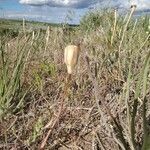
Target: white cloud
[
  {"x": 141, "y": 4},
  {"x": 34, "y": 2},
  {"x": 60, "y": 3}
]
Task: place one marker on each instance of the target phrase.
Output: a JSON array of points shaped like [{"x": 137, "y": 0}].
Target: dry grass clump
[{"x": 105, "y": 105}]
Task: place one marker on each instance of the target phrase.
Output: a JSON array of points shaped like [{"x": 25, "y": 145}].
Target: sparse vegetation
[{"x": 107, "y": 103}]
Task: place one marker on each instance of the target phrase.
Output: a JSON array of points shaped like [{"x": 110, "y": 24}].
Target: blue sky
[{"x": 58, "y": 10}]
